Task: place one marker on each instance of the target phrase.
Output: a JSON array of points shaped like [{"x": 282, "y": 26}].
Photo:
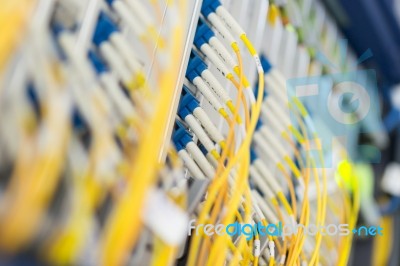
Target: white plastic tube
[
  {"x": 115, "y": 61},
  {"x": 264, "y": 171},
  {"x": 273, "y": 142},
  {"x": 200, "y": 159},
  {"x": 141, "y": 12},
  {"x": 120, "y": 101},
  {"x": 230, "y": 22},
  {"x": 222, "y": 52},
  {"x": 126, "y": 14},
  {"x": 127, "y": 52},
  {"x": 261, "y": 183},
  {"x": 199, "y": 132},
  {"x": 214, "y": 58},
  {"x": 265, "y": 148},
  {"x": 213, "y": 83},
  {"x": 269, "y": 214},
  {"x": 194, "y": 170},
  {"x": 205, "y": 121},
  {"x": 207, "y": 93},
  {"x": 219, "y": 25}
]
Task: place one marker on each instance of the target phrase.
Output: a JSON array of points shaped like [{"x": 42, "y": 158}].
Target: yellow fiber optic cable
[
  {"x": 122, "y": 227},
  {"x": 229, "y": 146},
  {"x": 13, "y": 18}
]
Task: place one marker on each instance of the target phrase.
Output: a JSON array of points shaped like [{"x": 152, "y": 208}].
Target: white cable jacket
[
  {"x": 207, "y": 93},
  {"x": 272, "y": 122},
  {"x": 279, "y": 111},
  {"x": 127, "y": 52},
  {"x": 194, "y": 170},
  {"x": 276, "y": 90},
  {"x": 214, "y": 58},
  {"x": 265, "y": 148},
  {"x": 212, "y": 131},
  {"x": 126, "y": 14},
  {"x": 269, "y": 214},
  {"x": 257, "y": 247},
  {"x": 274, "y": 143},
  {"x": 67, "y": 43},
  {"x": 121, "y": 102},
  {"x": 212, "y": 160},
  {"x": 257, "y": 209},
  {"x": 264, "y": 171},
  {"x": 219, "y": 25},
  {"x": 229, "y": 21},
  {"x": 278, "y": 77},
  {"x": 250, "y": 96},
  {"x": 141, "y": 12},
  {"x": 200, "y": 159},
  {"x": 261, "y": 183},
  {"x": 222, "y": 52},
  {"x": 86, "y": 74},
  {"x": 214, "y": 84},
  {"x": 112, "y": 57},
  {"x": 199, "y": 132}
]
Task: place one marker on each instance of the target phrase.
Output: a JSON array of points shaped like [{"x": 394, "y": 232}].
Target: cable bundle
[
  {"x": 84, "y": 120},
  {"x": 90, "y": 92}
]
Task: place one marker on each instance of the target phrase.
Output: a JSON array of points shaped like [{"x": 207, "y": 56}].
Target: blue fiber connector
[
  {"x": 195, "y": 67},
  {"x": 105, "y": 27},
  {"x": 98, "y": 64},
  {"x": 187, "y": 104},
  {"x": 181, "y": 136},
  {"x": 203, "y": 34},
  {"x": 266, "y": 65},
  {"x": 253, "y": 155},
  {"x": 209, "y": 6}
]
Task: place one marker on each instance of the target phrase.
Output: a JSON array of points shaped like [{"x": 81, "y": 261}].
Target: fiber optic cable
[
  {"x": 13, "y": 17},
  {"x": 140, "y": 23},
  {"x": 229, "y": 140},
  {"x": 189, "y": 104},
  {"x": 301, "y": 109},
  {"x": 115, "y": 242},
  {"x": 109, "y": 40},
  {"x": 205, "y": 38},
  {"x": 182, "y": 137},
  {"x": 197, "y": 70}
]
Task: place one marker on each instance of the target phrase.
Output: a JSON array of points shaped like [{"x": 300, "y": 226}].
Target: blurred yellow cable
[
  {"x": 13, "y": 18},
  {"x": 123, "y": 226}
]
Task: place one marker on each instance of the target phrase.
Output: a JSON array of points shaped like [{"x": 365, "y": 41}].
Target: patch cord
[
  {"x": 100, "y": 108},
  {"x": 38, "y": 161},
  {"x": 183, "y": 139},
  {"x": 117, "y": 243},
  {"x": 79, "y": 73},
  {"x": 271, "y": 253},
  {"x": 126, "y": 111},
  {"x": 235, "y": 257},
  {"x": 282, "y": 96},
  {"x": 198, "y": 73},
  {"x": 57, "y": 252},
  {"x": 194, "y": 71},
  {"x": 136, "y": 15},
  {"x": 206, "y": 41},
  {"x": 277, "y": 80},
  {"x": 117, "y": 52},
  {"x": 270, "y": 136}
]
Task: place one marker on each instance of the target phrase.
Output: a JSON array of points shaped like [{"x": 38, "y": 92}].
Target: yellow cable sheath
[{"x": 123, "y": 226}]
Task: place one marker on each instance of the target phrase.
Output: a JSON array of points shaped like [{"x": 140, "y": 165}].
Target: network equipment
[{"x": 140, "y": 132}]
